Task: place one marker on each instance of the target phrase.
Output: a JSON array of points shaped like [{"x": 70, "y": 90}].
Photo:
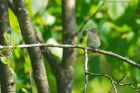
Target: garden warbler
[{"x": 93, "y": 39}]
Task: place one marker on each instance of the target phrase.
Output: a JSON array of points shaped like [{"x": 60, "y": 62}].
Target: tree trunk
[
  {"x": 29, "y": 37},
  {"x": 65, "y": 77},
  {"x": 6, "y": 78}
]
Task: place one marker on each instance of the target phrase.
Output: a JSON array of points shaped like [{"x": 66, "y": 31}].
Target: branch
[
  {"x": 117, "y": 56},
  {"x": 87, "y": 19},
  {"x": 52, "y": 61},
  {"x": 113, "y": 82}
]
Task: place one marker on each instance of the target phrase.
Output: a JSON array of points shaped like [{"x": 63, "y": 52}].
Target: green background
[{"x": 118, "y": 24}]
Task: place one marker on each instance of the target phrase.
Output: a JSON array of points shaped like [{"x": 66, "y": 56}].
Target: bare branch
[
  {"x": 113, "y": 85},
  {"x": 117, "y": 56},
  {"x": 138, "y": 90},
  {"x": 122, "y": 78},
  {"x": 113, "y": 82}
]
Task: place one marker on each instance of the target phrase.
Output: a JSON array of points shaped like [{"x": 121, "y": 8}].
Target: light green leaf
[
  {"x": 55, "y": 51},
  {"x": 38, "y": 6},
  {"x": 7, "y": 37},
  {"x": 116, "y": 9},
  {"x": 5, "y": 59}
]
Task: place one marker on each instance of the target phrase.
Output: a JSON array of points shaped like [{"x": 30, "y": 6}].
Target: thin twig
[
  {"x": 113, "y": 82},
  {"x": 138, "y": 90},
  {"x": 122, "y": 78},
  {"x": 86, "y": 69},
  {"x": 124, "y": 59},
  {"x": 87, "y": 19},
  {"x": 113, "y": 85}
]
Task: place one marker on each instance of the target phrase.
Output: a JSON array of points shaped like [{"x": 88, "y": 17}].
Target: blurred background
[{"x": 118, "y": 24}]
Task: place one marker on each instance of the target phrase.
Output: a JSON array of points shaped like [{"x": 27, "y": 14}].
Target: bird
[{"x": 93, "y": 39}]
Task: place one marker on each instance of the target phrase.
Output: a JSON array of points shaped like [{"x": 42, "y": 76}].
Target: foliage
[{"x": 117, "y": 23}]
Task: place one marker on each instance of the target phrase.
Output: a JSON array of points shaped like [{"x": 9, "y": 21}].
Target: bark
[
  {"x": 6, "y": 78},
  {"x": 29, "y": 37},
  {"x": 65, "y": 77}
]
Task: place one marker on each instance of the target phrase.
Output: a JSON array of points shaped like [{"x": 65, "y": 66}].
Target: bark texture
[
  {"x": 29, "y": 37},
  {"x": 6, "y": 78},
  {"x": 65, "y": 77}
]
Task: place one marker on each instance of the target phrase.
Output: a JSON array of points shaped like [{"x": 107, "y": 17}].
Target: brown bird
[{"x": 93, "y": 39}]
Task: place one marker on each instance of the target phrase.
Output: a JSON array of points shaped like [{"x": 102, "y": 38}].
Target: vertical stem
[{"x": 86, "y": 70}]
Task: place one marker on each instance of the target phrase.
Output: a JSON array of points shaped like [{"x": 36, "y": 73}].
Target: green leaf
[
  {"x": 5, "y": 59},
  {"x": 7, "y": 37},
  {"x": 116, "y": 9},
  {"x": 39, "y": 6}
]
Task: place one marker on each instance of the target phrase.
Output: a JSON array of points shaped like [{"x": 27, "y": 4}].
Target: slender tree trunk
[
  {"x": 65, "y": 77},
  {"x": 29, "y": 37},
  {"x": 6, "y": 77}
]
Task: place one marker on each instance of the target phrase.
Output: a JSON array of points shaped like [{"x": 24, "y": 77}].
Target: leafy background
[{"x": 118, "y": 24}]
